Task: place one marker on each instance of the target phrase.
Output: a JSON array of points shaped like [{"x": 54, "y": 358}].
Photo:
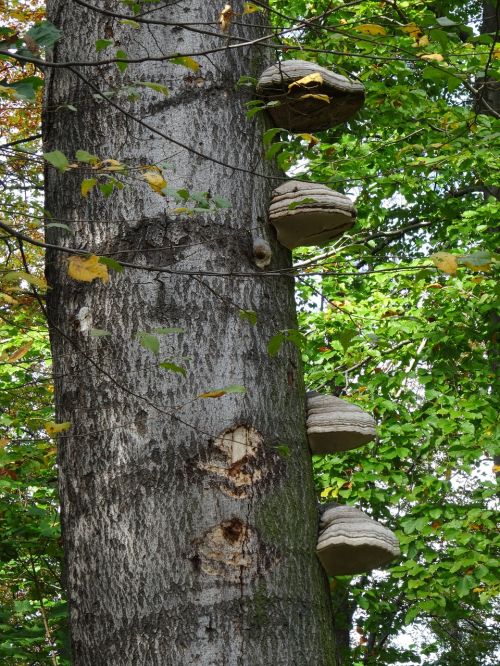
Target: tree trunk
[
  {"x": 491, "y": 95},
  {"x": 189, "y": 535}
]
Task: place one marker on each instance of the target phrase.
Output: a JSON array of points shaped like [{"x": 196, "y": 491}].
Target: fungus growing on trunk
[
  {"x": 350, "y": 542},
  {"x": 307, "y": 97},
  {"x": 336, "y": 425},
  {"x": 309, "y": 213}
]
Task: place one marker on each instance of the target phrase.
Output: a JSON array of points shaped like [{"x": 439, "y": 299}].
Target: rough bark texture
[
  {"x": 491, "y": 94},
  {"x": 188, "y": 538}
]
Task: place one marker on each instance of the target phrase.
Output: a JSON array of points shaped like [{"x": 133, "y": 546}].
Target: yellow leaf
[
  {"x": 496, "y": 53},
  {"x": 306, "y": 80},
  {"x": 108, "y": 165},
  {"x": 250, "y": 8},
  {"x": 478, "y": 589},
  {"x": 445, "y": 262},
  {"x": 181, "y": 210},
  {"x": 412, "y": 29},
  {"x": 496, "y": 468},
  {"x": 20, "y": 352},
  {"x": 422, "y": 41},
  {"x": 322, "y": 98},
  {"x": 52, "y": 428},
  {"x": 188, "y": 62},
  {"x": 8, "y": 299},
  {"x": 212, "y": 394},
  {"x": 155, "y": 180},
  {"x": 87, "y": 185},
  {"x": 5, "y": 90},
  {"x": 371, "y": 29},
  {"x": 436, "y": 57},
  {"x": 225, "y": 18},
  {"x": 86, "y": 269},
  {"x": 3, "y": 442},
  {"x": 326, "y": 491},
  {"x": 310, "y": 138}
]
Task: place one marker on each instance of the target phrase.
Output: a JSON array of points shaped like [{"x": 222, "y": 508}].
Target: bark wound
[
  {"x": 233, "y": 461},
  {"x": 232, "y": 550}
]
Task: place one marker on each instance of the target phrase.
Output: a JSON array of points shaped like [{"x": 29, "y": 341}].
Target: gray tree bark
[{"x": 189, "y": 539}]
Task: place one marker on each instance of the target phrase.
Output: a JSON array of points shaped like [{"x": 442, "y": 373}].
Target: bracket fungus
[
  {"x": 309, "y": 213},
  {"x": 307, "y": 97},
  {"x": 350, "y": 542},
  {"x": 336, "y": 425}
]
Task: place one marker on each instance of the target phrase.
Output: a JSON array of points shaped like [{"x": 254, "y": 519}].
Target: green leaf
[
  {"x": 99, "y": 333},
  {"x": 221, "y": 202},
  {"x": 346, "y": 336},
  {"x": 296, "y": 338},
  {"x": 57, "y": 159},
  {"x": 235, "y": 388},
  {"x": 168, "y": 331},
  {"x": 149, "y": 342},
  {"x": 107, "y": 187},
  {"x": 130, "y": 23},
  {"x": 274, "y": 344},
  {"x": 26, "y": 88},
  {"x": 84, "y": 156},
  {"x": 186, "y": 61},
  {"x": 59, "y": 225},
  {"x": 249, "y": 315},
  {"x": 111, "y": 263},
  {"x": 45, "y": 34},
  {"x": 248, "y": 81},
  {"x": 268, "y": 136},
  {"x": 302, "y": 202},
  {"x": 275, "y": 149},
  {"x": 157, "y": 87},
  {"x": 122, "y": 66},
  {"x": 173, "y": 367},
  {"x": 87, "y": 185},
  {"x": 102, "y": 44},
  {"x": 283, "y": 450}
]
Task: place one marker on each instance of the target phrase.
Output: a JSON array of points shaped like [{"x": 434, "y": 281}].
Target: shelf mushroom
[
  {"x": 309, "y": 213},
  {"x": 336, "y": 425},
  {"x": 350, "y": 542},
  {"x": 307, "y": 97}
]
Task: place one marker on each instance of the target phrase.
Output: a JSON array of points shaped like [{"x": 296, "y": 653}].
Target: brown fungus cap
[
  {"x": 350, "y": 542},
  {"x": 337, "y": 425},
  {"x": 309, "y": 213},
  {"x": 311, "y": 98}
]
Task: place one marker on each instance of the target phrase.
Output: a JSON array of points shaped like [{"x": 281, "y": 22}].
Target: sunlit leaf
[
  {"x": 19, "y": 353},
  {"x": 186, "y": 61},
  {"x": 157, "y": 87},
  {"x": 87, "y": 269},
  {"x": 57, "y": 159},
  {"x": 250, "y": 8},
  {"x": 249, "y": 315},
  {"x": 445, "y": 262},
  {"x": 305, "y": 81},
  {"x": 155, "y": 181},
  {"x": 173, "y": 367},
  {"x": 53, "y": 428},
  {"x": 371, "y": 29},
  {"x": 87, "y": 185}
]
